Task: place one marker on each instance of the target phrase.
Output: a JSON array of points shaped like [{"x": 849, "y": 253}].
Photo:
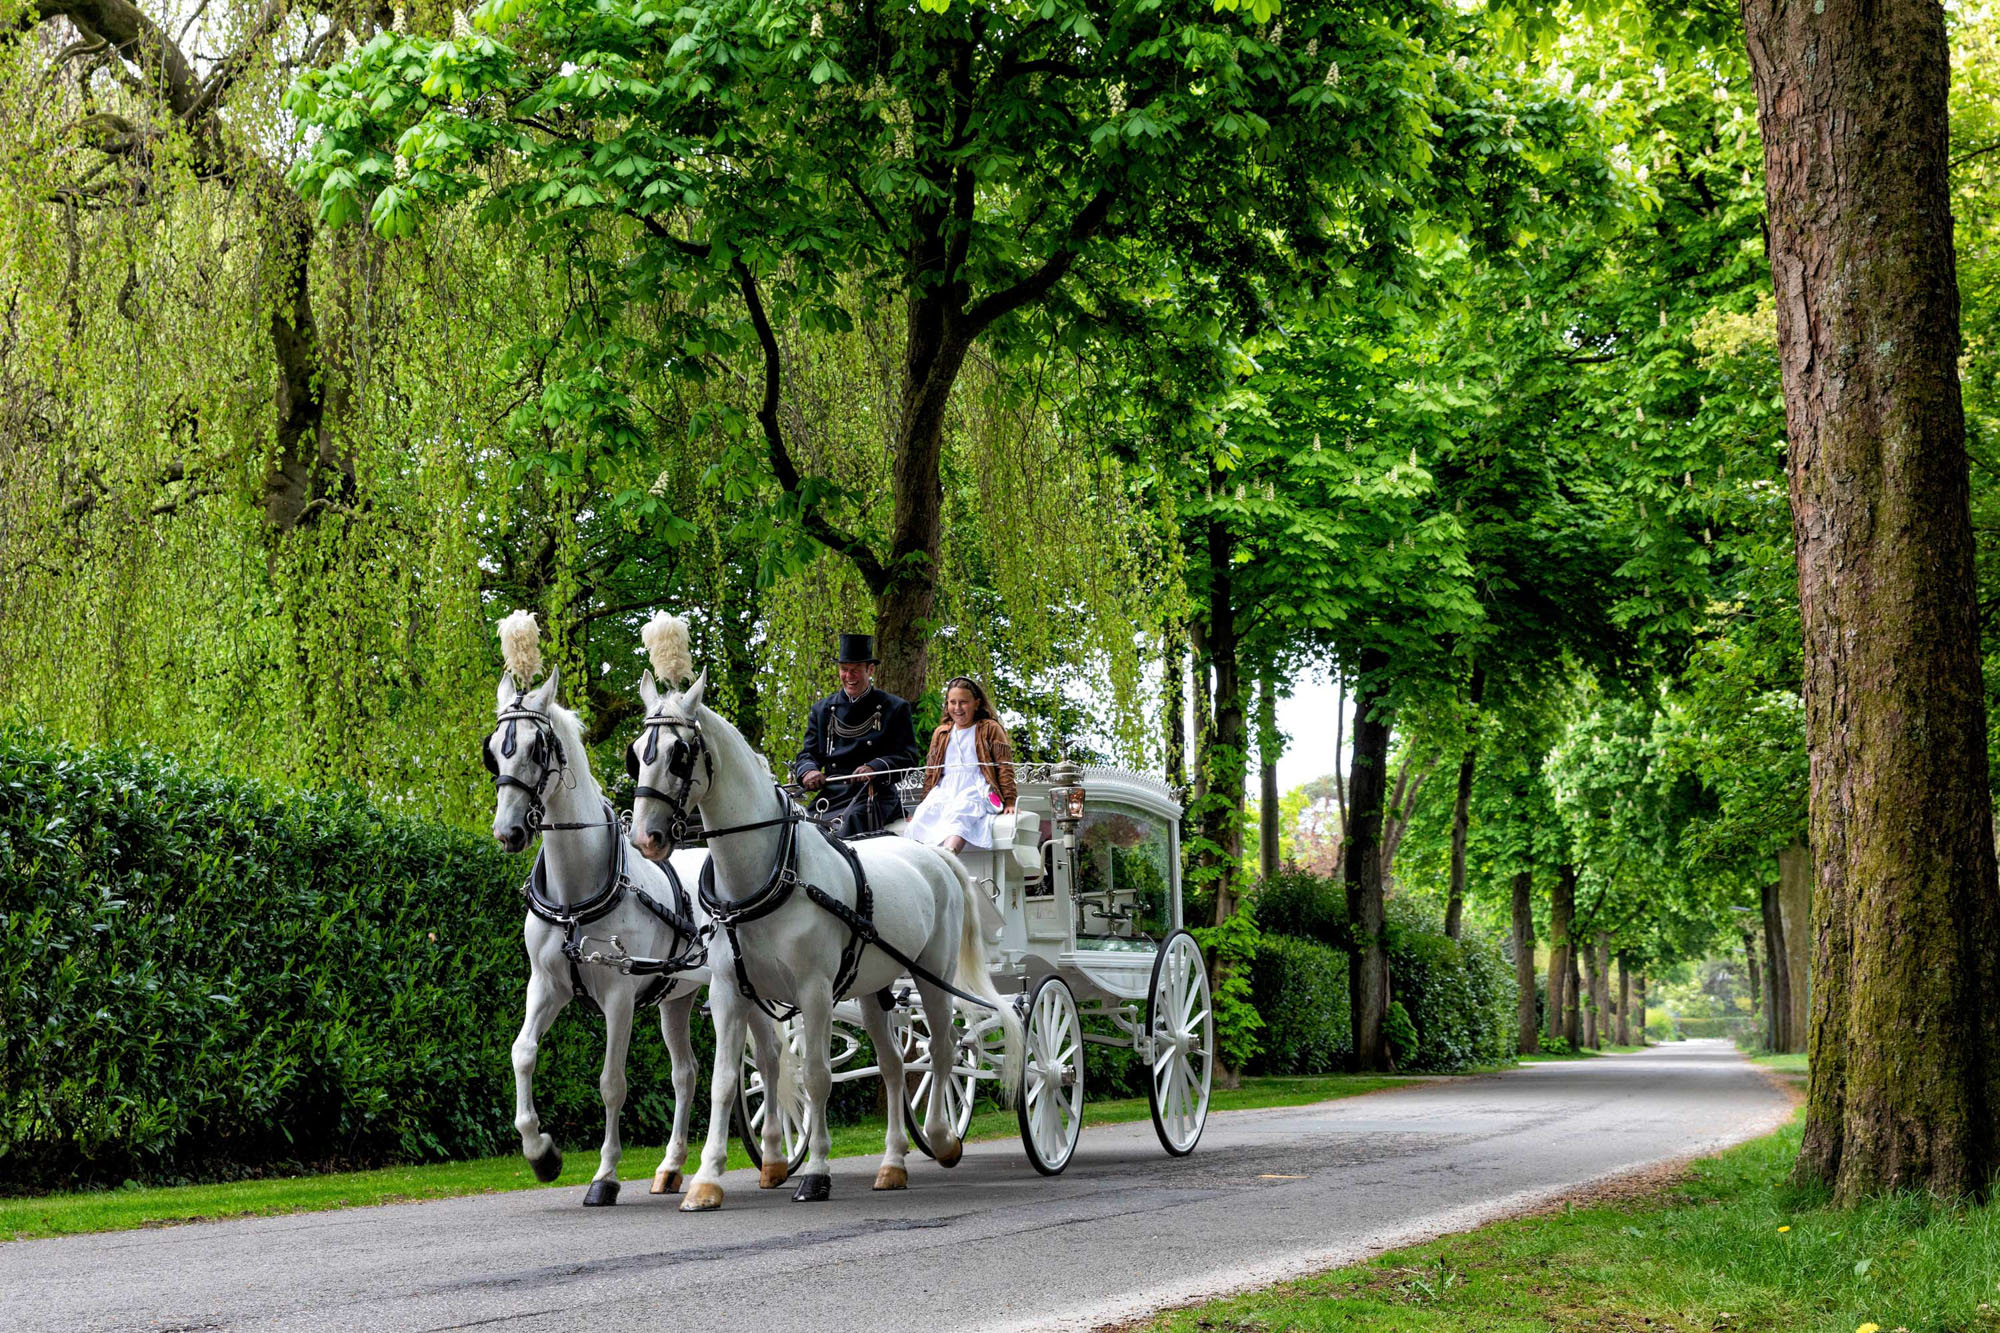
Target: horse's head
[
  {"x": 525, "y": 751},
  {"x": 671, "y": 763}
]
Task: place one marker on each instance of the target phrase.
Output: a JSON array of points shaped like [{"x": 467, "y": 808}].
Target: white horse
[
  {"x": 770, "y": 878},
  {"x": 585, "y": 880}
]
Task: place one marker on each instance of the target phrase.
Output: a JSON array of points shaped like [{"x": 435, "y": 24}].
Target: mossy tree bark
[
  {"x": 1905, "y": 1038},
  {"x": 1777, "y": 975},
  {"x": 1562, "y": 908},
  {"x": 1624, "y": 1000},
  {"x": 1591, "y": 1014},
  {"x": 1794, "y": 894},
  {"x": 1361, "y": 865},
  {"x": 1526, "y": 1023}
]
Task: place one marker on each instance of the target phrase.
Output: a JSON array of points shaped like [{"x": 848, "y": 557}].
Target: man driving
[{"x": 854, "y": 737}]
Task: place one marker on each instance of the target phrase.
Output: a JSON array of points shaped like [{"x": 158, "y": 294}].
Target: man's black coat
[{"x": 843, "y": 734}]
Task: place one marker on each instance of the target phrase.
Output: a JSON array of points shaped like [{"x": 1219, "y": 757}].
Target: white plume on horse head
[
  {"x": 666, "y": 640},
  {"x": 521, "y": 646}
]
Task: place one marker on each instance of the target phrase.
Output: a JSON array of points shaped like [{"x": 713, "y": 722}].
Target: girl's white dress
[{"x": 959, "y": 803}]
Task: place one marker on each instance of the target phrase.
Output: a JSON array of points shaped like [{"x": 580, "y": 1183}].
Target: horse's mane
[{"x": 721, "y": 733}]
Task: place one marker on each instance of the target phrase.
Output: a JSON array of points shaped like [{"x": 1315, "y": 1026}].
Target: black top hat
[{"x": 858, "y": 648}]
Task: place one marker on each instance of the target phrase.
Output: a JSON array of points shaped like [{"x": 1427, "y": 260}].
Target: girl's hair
[{"x": 980, "y": 708}]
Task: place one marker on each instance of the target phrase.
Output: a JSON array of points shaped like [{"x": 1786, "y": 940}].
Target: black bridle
[
  {"x": 690, "y": 747},
  {"x": 545, "y": 752}
]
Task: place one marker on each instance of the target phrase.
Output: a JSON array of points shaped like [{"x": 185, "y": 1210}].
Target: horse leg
[
  {"x": 544, "y": 1003},
  {"x": 815, "y": 1003},
  {"x": 774, "y": 1062},
  {"x": 603, "y": 1190},
  {"x": 894, "y": 1173},
  {"x": 675, "y": 1015},
  {"x": 728, "y": 1009},
  {"x": 946, "y": 1146}
]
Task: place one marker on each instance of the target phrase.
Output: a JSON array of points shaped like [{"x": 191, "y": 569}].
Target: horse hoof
[
  {"x": 705, "y": 1197},
  {"x": 601, "y": 1194},
  {"x": 666, "y": 1182},
  {"x": 548, "y": 1166},
  {"x": 771, "y": 1175},
  {"x": 892, "y": 1178},
  {"x": 814, "y": 1189},
  {"x": 949, "y": 1151}
]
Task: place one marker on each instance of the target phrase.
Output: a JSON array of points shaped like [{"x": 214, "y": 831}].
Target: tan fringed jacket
[{"x": 995, "y": 751}]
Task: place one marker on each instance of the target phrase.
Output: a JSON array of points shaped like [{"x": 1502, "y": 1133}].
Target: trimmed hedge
[
  {"x": 1300, "y": 990},
  {"x": 210, "y": 977},
  {"x": 1459, "y": 994}
]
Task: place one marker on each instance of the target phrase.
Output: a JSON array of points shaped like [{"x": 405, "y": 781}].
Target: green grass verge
[
  {"x": 121, "y": 1209},
  {"x": 1793, "y": 1062},
  {"x": 1733, "y": 1246}
]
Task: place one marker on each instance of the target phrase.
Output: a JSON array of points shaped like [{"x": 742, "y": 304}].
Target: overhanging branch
[{"x": 787, "y": 472}]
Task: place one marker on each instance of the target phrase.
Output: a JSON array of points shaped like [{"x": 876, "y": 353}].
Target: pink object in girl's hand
[{"x": 994, "y": 797}]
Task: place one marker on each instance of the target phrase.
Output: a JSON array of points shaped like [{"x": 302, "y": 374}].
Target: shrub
[
  {"x": 1400, "y": 1033},
  {"x": 1305, "y": 906},
  {"x": 1300, "y": 988},
  {"x": 1459, "y": 993},
  {"x": 206, "y": 976}
]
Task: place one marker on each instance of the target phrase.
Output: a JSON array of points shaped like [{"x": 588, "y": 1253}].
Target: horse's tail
[{"x": 974, "y": 979}]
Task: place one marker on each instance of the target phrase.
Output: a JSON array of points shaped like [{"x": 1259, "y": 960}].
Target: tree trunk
[
  {"x": 1777, "y": 973},
  {"x": 1602, "y": 989},
  {"x": 1562, "y": 908},
  {"x": 1526, "y": 1024},
  {"x": 1756, "y": 975},
  {"x": 1267, "y": 774},
  {"x": 1573, "y": 993},
  {"x": 1227, "y": 760},
  {"x": 1590, "y": 1014},
  {"x": 1624, "y": 1000},
  {"x": 1461, "y": 818},
  {"x": 1639, "y": 1001},
  {"x": 1461, "y": 815},
  {"x": 1368, "y": 955},
  {"x": 1795, "y": 908},
  {"x": 1173, "y": 702},
  {"x": 1905, "y": 1039}
]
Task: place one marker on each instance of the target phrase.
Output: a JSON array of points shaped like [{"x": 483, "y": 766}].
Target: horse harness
[
  {"x": 688, "y": 950},
  {"x": 781, "y": 883},
  {"x": 689, "y": 947}
]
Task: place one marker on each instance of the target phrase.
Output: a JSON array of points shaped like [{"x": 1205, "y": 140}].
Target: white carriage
[{"x": 1081, "y": 910}]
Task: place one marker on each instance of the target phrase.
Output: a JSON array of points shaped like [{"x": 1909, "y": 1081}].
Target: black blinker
[
  {"x": 632, "y": 762},
  {"x": 486, "y": 754}
]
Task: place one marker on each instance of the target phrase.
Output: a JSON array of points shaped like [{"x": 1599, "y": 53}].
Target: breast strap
[
  {"x": 777, "y": 891},
  {"x": 687, "y": 950}
]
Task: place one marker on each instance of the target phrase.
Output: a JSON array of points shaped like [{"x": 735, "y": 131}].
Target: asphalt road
[{"x": 991, "y": 1245}]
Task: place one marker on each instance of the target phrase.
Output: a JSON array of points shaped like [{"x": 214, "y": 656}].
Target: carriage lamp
[{"x": 1066, "y": 799}]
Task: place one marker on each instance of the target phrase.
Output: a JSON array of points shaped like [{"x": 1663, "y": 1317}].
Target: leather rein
[
  {"x": 783, "y": 880},
  {"x": 688, "y": 948}
]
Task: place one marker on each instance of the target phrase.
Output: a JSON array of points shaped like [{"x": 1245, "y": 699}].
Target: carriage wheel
[
  {"x": 1181, "y": 1023},
  {"x": 1051, "y": 1105},
  {"x": 974, "y": 1057},
  {"x": 753, "y": 1103}
]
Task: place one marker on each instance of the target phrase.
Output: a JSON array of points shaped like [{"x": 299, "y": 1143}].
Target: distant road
[{"x": 992, "y": 1245}]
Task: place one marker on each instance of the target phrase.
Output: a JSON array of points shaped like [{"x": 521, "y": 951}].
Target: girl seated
[{"x": 969, "y": 774}]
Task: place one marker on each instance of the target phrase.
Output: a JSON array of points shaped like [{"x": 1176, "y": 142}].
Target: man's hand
[{"x": 813, "y": 781}]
